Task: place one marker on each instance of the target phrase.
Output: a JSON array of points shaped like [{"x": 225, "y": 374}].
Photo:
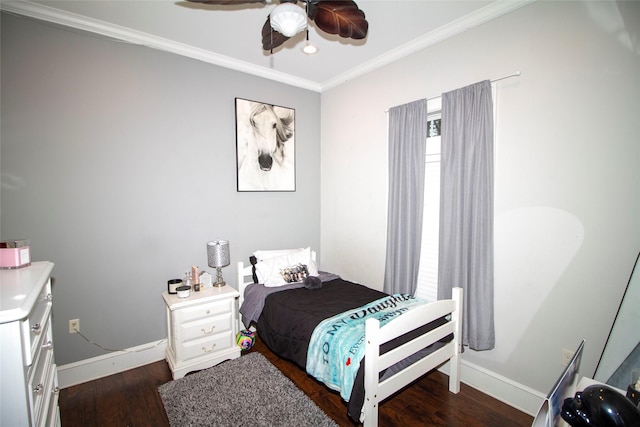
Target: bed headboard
[{"x": 244, "y": 278}]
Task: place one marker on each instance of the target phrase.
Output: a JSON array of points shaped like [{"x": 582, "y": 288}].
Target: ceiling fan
[{"x": 343, "y": 18}]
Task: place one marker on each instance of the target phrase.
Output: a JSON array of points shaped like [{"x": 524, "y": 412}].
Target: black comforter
[{"x": 289, "y": 318}]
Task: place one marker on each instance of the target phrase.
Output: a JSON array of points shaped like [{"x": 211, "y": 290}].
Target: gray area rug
[{"x": 248, "y": 390}]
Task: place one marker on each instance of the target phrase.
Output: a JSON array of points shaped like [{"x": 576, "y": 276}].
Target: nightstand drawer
[
  {"x": 205, "y": 327},
  {"x": 205, "y": 347},
  {"x": 202, "y": 311}
]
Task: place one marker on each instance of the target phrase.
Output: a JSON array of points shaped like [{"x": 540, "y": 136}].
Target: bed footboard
[{"x": 376, "y": 390}]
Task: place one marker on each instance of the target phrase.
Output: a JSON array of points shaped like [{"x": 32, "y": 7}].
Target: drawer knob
[
  {"x": 213, "y": 347},
  {"x": 205, "y": 332},
  {"x": 36, "y": 328},
  {"x": 48, "y": 345},
  {"x": 55, "y": 390},
  {"x": 38, "y": 389}
]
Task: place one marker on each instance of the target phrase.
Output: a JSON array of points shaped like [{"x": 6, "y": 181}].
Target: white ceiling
[{"x": 231, "y": 35}]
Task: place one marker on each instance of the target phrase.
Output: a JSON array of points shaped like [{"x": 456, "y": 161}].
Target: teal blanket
[{"x": 337, "y": 343}]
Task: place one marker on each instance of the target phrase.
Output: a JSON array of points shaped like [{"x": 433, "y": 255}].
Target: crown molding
[
  {"x": 481, "y": 16},
  {"x": 72, "y": 20}
]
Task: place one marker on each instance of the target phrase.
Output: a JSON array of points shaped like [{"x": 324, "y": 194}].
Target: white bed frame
[{"x": 376, "y": 391}]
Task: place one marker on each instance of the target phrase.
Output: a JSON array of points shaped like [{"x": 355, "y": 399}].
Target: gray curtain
[
  {"x": 407, "y": 137},
  {"x": 466, "y": 208}
]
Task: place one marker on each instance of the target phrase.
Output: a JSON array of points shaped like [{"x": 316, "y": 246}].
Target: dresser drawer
[
  {"x": 204, "y": 347},
  {"x": 41, "y": 383},
  {"x": 33, "y": 328},
  {"x": 205, "y": 327},
  {"x": 202, "y": 311},
  {"x": 53, "y": 412}
]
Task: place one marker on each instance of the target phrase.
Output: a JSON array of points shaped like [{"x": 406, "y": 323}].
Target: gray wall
[
  {"x": 567, "y": 181},
  {"x": 118, "y": 163}
]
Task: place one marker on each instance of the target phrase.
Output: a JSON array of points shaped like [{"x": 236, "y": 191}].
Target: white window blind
[{"x": 427, "y": 286}]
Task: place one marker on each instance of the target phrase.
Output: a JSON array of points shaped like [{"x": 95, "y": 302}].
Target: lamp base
[{"x": 219, "y": 282}]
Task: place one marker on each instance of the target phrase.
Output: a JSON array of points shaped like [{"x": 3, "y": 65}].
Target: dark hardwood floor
[{"x": 131, "y": 399}]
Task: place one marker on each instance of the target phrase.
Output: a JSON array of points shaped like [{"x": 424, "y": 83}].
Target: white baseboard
[
  {"x": 109, "y": 364},
  {"x": 501, "y": 388}
]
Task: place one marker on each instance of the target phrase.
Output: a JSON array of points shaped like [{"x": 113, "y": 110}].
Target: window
[{"x": 427, "y": 286}]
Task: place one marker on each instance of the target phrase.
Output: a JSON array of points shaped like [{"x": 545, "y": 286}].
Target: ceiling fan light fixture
[
  {"x": 309, "y": 49},
  {"x": 288, "y": 19}
]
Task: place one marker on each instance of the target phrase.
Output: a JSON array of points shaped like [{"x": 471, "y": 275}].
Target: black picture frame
[{"x": 265, "y": 147}]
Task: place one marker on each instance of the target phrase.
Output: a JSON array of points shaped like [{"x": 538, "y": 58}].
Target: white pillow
[
  {"x": 269, "y": 271},
  {"x": 262, "y": 255}
]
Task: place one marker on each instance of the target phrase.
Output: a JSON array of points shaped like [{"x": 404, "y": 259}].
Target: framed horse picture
[{"x": 265, "y": 146}]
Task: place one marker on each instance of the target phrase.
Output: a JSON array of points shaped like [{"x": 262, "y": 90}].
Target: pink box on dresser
[{"x": 15, "y": 254}]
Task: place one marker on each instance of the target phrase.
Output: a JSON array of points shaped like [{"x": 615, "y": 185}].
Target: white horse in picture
[{"x": 266, "y": 149}]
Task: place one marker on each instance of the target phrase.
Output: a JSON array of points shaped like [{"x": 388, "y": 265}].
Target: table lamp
[{"x": 218, "y": 257}]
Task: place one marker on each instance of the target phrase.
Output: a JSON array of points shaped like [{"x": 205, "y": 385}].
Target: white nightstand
[{"x": 202, "y": 329}]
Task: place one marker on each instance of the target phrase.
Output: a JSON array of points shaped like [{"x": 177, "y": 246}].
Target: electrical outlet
[
  {"x": 565, "y": 357},
  {"x": 74, "y": 326}
]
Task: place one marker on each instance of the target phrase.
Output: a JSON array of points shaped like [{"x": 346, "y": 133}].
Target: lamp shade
[
  {"x": 288, "y": 19},
  {"x": 218, "y": 253}
]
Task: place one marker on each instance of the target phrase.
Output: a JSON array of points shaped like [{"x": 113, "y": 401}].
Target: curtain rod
[{"x": 515, "y": 74}]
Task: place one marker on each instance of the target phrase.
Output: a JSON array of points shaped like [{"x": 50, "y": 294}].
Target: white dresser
[
  {"x": 28, "y": 377},
  {"x": 202, "y": 329}
]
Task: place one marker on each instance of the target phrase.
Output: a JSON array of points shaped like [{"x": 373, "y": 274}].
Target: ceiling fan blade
[
  {"x": 271, "y": 39},
  {"x": 227, "y": 2},
  {"x": 339, "y": 17}
]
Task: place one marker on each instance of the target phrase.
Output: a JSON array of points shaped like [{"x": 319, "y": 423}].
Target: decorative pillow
[
  {"x": 294, "y": 274},
  {"x": 293, "y": 266}
]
